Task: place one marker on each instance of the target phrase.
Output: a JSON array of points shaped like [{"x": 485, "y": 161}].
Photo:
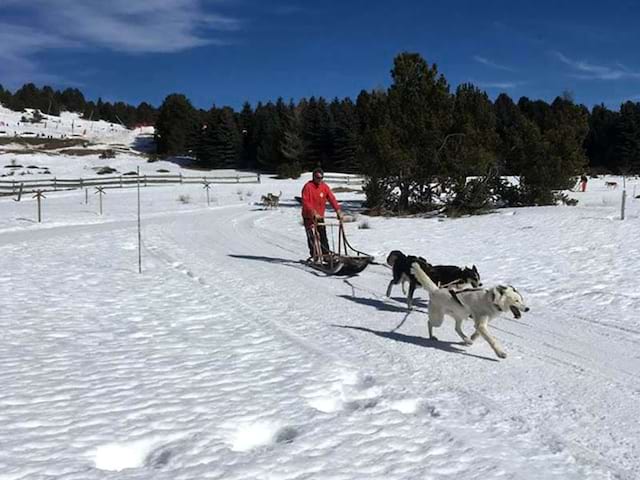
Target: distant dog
[
  {"x": 275, "y": 199},
  {"x": 448, "y": 275},
  {"x": 611, "y": 185},
  {"x": 271, "y": 200},
  {"x": 479, "y": 304}
]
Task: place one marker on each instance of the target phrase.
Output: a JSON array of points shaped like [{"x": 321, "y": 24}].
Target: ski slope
[
  {"x": 228, "y": 359},
  {"x": 65, "y": 125}
]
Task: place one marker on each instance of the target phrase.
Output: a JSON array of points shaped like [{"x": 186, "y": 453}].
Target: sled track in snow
[{"x": 254, "y": 279}]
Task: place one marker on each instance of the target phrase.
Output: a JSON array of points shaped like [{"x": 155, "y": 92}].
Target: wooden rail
[
  {"x": 333, "y": 178},
  {"x": 12, "y": 187}
]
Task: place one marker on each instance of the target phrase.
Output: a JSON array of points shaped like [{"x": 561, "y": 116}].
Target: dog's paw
[
  {"x": 501, "y": 354},
  {"x": 434, "y": 338},
  {"x": 468, "y": 341}
]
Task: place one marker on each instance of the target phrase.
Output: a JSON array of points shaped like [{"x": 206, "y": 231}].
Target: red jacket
[{"x": 314, "y": 199}]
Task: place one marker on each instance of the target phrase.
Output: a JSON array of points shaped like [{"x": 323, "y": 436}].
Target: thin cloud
[
  {"x": 590, "y": 71},
  {"x": 17, "y": 44},
  {"x": 489, "y": 63},
  {"x": 497, "y": 85},
  {"x": 137, "y": 27},
  {"x": 288, "y": 10},
  {"x": 155, "y": 26}
]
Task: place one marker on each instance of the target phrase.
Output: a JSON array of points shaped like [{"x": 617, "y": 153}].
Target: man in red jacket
[{"x": 315, "y": 195}]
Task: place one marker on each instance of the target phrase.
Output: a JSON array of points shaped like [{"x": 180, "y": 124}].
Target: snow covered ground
[
  {"x": 228, "y": 359},
  {"x": 66, "y": 125}
]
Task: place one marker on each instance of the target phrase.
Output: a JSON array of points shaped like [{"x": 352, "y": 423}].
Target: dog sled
[{"x": 345, "y": 260}]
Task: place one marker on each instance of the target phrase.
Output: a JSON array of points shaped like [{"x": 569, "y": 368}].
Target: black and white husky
[
  {"x": 448, "y": 275},
  {"x": 479, "y": 304}
]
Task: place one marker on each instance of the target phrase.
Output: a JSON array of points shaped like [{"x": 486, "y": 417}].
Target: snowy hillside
[
  {"x": 67, "y": 125},
  {"x": 228, "y": 359},
  {"x": 71, "y": 147}
]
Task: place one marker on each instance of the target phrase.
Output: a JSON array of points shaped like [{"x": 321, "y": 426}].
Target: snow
[
  {"x": 66, "y": 125},
  {"x": 228, "y": 359}
]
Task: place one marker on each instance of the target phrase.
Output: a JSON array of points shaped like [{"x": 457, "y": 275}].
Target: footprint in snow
[
  {"x": 351, "y": 392},
  {"x": 154, "y": 452},
  {"x": 260, "y": 434}
]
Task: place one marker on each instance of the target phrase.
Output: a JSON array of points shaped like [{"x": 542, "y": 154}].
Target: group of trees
[
  {"x": 416, "y": 141},
  {"x": 52, "y": 102},
  {"x": 277, "y": 137}
]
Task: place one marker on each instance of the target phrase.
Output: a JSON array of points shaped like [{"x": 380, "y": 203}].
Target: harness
[
  {"x": 454, "y": 295},
  {"x": 494, "y": 302}
]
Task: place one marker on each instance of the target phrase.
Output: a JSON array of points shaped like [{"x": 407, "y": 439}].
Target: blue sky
[{"x": 229, "y": 51}]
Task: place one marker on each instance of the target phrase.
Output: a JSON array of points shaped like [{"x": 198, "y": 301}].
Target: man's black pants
[{"x": 324, "y": 242}]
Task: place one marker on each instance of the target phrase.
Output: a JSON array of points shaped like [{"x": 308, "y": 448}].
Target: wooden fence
[
  {"x": 333, "y": 178},
  {"x": 12, "y": 187}
]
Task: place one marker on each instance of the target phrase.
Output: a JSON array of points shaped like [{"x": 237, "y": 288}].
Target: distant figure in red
[
  {"x": 315, "y": 195},
  {"x": 583, "y": 182}
]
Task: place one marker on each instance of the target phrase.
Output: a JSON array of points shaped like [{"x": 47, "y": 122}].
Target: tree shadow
[
  {"x": 449, "y": 347},
  {"x": 144, "y": 144}
]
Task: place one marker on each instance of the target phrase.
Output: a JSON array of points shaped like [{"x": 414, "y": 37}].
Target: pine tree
[
  {"x": 145, "y": 114},
  {"x": 602, "y": 138},
  {"x": 565, "y": 137},
  {"x": 177, "y": 126},
  {"x": 474, "y": 120},
  {"x": 345, "y": 135},
  {"x": 71, "y": 100},
  {"x": 246, "y": 123},
  {"x": 316, "y": 127},
  {"x": 628, "y": 145},
  {"x": 270, "y": 134},
  {"x": 293, "y": 146},
  {"x": 5, "y": 97},
  {"x": 416, "y": 116}
]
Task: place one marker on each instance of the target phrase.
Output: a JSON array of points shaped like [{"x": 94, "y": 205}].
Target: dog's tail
[{"x": 423, "y": 278}]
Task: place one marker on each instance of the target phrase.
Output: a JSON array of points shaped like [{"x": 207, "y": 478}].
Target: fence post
[
  {"x": 207, "y": 186},
  {"x": 100, "y": 191},
  {"x": 145, "y": 180},
  {"x": 139, "y": 227},
  {"x": 237, "y": 178},
  {"x": 13, "y": 187},
  {"x": 180, "y": 177},
  {"x": 39, "y": 196},
  {"x": 259, "y": 178},
  {"x": 19, "y": 193},
  {"x": 55, "y": 184}
]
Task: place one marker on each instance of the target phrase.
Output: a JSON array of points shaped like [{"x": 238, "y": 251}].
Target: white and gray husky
[{"x": 479, "y": 304}]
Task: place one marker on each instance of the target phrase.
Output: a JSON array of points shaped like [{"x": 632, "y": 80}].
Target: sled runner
[{"x": 346, "y": 260}]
